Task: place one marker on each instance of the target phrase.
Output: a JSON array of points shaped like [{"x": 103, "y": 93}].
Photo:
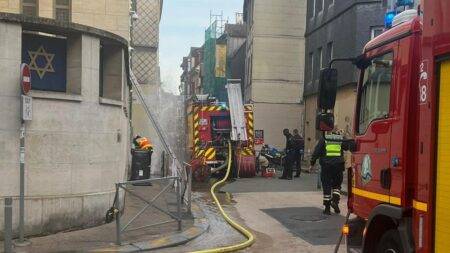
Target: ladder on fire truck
[
  {"x": 238, "y": 122},
  {"x": 137, "y": 90}
]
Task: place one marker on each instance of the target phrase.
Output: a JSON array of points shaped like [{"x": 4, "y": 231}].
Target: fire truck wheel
[{"x": 390, "y": 242}]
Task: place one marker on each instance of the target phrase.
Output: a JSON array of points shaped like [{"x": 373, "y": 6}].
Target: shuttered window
[
  {"x": 62, "y": 10},
  {"x": 30, "y": 8}
]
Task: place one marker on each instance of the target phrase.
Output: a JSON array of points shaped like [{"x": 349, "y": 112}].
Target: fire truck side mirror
[
  {"x": 327, "y": 89},
  {"x": 325, "y": 121}
]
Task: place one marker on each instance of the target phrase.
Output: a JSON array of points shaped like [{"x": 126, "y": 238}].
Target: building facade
[
  {"x": 337, "y": 29},
  {"x": 274, "y": 65},
  {"x": 233, "y": 37},
  {"x": 76, "y": 145},
  {"x": 145, "y": 66},
  {"x": 190, "y": 87}
]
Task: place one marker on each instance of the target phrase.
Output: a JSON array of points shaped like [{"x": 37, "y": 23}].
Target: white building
[
  {"x": 77, "y": 142},
  {"x": 274, "y": 65}
]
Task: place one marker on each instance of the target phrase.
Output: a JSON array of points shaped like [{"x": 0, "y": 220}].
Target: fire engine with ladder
[
  {"x": 400, "y": 180},
  {"x": 212, "y": 125}
]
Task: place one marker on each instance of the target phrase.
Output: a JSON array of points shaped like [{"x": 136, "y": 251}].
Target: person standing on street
[
  {"x": 290, "y": 155},
  {"x": 299, "y": 145},
  {"x": 329, "y": 152}
]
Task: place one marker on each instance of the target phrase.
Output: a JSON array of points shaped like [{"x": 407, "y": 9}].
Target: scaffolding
[{"x": 214, "y": 59}]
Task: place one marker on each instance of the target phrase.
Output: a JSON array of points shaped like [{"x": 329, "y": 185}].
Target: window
[
  {"x": 375, "y": 31},
  {"x": 62, "y": 10},
  {"x": 47, "y": 57},
  {"x": 320, "y": 5},
  {"x": 111, "y": 61},
  {"x": 30, "y": 8},
  {"x": 319, "y": 62},
  {"x": 329, "y": 55},
  {"x": 101, "y": 70},
  {"x": 313, "y": 11},
  {"x": 375, "y": 91},
  {"x": 311, "y": 66},
  {"x": 134, "y": 5}
]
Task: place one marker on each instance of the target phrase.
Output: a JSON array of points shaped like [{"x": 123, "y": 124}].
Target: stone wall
[
  {"x": 109, "y": 15},
  {"x": 275, "y": 63},
  {"x": 76, "y": 145}
]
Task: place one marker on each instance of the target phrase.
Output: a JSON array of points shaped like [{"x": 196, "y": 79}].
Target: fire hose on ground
[{"x": 250, "y": 238}]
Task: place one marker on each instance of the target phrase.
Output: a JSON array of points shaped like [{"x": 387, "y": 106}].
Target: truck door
[
  {"x": 442, "y": 218},
  {"x": 373, "y": 130}
]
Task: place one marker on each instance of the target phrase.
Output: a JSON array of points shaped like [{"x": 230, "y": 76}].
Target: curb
[{"x": 200, "y": 226}]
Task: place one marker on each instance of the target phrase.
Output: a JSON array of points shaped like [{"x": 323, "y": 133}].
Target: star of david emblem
[{"x": 41, "y": 71}]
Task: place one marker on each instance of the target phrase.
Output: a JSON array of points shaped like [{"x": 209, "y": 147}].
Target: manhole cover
[{"x": 309, "y": 218}]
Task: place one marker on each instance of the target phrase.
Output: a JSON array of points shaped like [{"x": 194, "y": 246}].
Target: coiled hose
[{"x": 250, "y": 238}]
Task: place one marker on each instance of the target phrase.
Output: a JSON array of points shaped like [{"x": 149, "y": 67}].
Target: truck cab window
[{"x": 375, "y": 91}]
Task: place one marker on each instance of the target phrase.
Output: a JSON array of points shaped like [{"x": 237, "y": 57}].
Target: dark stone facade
[{"x": 347, "y": 25}]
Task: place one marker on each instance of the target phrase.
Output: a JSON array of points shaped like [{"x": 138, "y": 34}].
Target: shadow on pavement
[{"x": 309, "y": 223}]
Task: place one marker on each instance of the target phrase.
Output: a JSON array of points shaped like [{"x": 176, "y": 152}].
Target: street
[
  {"x": 285, "y": 216},
  {"x": 152, "y": 125}
]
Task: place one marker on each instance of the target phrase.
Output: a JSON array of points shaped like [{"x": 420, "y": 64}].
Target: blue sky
[{"x": 183, "y": 25}]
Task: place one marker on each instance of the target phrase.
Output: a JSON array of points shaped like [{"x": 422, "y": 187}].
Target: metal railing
[
  {"x": 173, "y": 182},
  {"x": 187, "y": 194}
]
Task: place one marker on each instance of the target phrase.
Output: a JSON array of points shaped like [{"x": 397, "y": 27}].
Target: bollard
[
  {"x": 8, "y": 225},
  {"x": 118, "y": 240}
]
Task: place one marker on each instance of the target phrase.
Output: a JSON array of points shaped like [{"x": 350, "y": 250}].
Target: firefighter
[
  {"x": 329, "y": 153},
  {"x": 142, "y": 143},
  {"x": 290, "y": 156},
  {"x": 299, "y": 145}
]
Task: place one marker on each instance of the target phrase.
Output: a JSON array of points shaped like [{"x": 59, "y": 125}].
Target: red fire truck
[
  {"x": 400, "y": 181},
  {"x": 211, "y": 128}
]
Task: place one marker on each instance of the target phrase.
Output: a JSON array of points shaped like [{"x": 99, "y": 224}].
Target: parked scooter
[{"x": 273, "y": 155}]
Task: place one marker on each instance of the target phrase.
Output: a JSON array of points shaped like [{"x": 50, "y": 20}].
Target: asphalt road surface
[{"x": 285, "y": 216}]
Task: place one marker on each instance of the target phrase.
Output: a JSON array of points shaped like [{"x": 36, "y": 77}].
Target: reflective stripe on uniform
[{"x": 333, "y": 148}]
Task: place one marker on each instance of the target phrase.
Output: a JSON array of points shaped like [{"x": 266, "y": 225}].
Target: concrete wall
[
  {"x": 273, "y": 118},
  {"x": 109, "y": 15},
  {"x": 310, "y": 123},
  {"x": 11, "y": 6},
  {"x": 76, "y": 145},
  {"x": 275, "y": 63},
  {"x": 145, "y": 65},
  {"x": 143, "y": 126}
]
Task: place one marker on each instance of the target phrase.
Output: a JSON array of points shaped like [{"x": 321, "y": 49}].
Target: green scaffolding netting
[{"x": 213, "y": 82}]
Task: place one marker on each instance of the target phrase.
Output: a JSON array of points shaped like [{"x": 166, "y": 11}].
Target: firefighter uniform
[
  {"x": 143, "y": 143},
  {"x": 329, "y": 153}
]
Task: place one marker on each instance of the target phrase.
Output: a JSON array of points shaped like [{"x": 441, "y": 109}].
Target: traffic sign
[
  {"x": 25, "y": 78},
  {"x": 27, "y": 108}
]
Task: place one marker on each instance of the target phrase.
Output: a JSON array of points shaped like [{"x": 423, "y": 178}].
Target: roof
[
  {"x": 396, "y": 32},
  {"x": 235, "y": 30}
]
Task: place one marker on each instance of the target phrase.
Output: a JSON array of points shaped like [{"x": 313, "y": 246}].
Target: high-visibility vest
[
  {"x": 333, "y": 145},
  {"x": 144, "y": 143}
]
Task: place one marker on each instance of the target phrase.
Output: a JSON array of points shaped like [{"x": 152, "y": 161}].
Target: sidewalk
[{"x": 102, "y": 238}]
